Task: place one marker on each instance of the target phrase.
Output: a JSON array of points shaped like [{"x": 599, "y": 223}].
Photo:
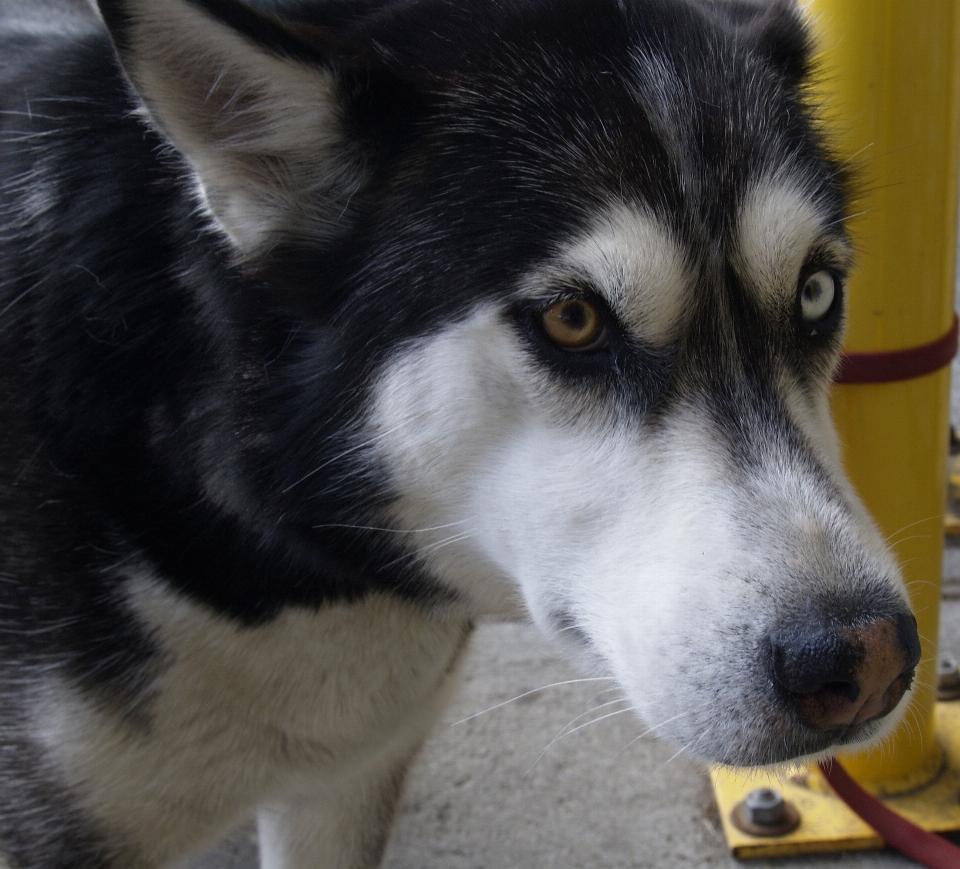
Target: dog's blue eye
[{"x": 817, "y": 296}]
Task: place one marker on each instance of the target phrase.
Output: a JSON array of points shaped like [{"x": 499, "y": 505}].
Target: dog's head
[{"x": 567, "y": 292}]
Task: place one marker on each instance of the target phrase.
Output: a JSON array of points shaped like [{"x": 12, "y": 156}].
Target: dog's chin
[{"x": 802, "y": 746}]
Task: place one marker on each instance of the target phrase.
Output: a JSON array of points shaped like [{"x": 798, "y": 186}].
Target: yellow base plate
[{"x": 826, "y": 823}]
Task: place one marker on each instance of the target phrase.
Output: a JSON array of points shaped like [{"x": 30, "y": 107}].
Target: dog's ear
[
  {"x": 274, "y": 117},
  {"x": 778, "y": 31},
  {"x": 784, "y": 37}
]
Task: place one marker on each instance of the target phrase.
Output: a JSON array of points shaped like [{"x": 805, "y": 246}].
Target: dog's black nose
[{"x": 840, "y": 676}]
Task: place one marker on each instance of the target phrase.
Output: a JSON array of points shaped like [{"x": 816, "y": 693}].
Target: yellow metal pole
[{"x": 890, "y": 87}]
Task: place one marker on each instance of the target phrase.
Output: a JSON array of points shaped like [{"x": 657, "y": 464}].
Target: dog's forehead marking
[
  {"x": 634, "y": 261},
  {"x": 779, "y": 225}
]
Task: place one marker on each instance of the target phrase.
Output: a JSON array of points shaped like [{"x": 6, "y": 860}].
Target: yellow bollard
[
  {"x": 891, "y": 89},
  {"x": 893, "y": 101}
]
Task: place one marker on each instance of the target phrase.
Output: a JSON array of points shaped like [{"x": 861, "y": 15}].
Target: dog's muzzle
[{"x": 837, "y": 677}]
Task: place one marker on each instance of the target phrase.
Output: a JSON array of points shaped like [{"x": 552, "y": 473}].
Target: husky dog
[{"x": 328, "y": 329}]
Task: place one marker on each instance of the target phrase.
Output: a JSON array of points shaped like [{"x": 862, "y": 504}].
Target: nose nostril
[
  {"x": 849, "y": 691},
  {"x": 839, "y": 676},
  {"x": 909, "y": 639}
]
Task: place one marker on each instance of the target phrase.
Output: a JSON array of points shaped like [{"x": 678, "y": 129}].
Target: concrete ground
[{"x": 506, "y": 790}]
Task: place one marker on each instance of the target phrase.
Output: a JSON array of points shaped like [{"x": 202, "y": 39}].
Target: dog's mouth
[{"x": 782, "y": 742}]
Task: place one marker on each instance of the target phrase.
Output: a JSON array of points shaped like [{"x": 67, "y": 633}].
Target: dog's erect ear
[
  {"x": 260, "y": 108},
  {"x": 783, "y": 35},
  {"x": 777, "y": 29}
]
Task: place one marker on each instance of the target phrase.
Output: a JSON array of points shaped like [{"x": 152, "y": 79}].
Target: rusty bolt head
[
  {"x": 948, "y": 678},
  {"x": 947, "y": 669},
  {"x": 764, "y": 807},
  {"x": 764, "y": 812}
]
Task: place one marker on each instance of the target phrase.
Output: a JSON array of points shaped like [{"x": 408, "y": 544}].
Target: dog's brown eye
[{"x": 574, "y": 324}]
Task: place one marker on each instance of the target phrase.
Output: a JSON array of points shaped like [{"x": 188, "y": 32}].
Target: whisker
[
  {"x": 901, "y": 540},
  {"x": 532, "y": 691},
  {"x": 390, "y": 530},
  {"x": 651, "y": 729},
  {"x": 566, "y": 727},
  {"x": 567, "y": 730},
  {"x": 16, "y": 299},
  {"x": 889, "y": 538},
  {"x": 684, "y": 749},
  {"x": 921, "y": 582},
  {"x": 439, "y": 544},
  {"x": 341, "y": 455},
  {"x": 426, "y": 550}
]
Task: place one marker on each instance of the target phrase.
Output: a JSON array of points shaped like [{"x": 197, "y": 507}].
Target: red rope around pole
[
  {"x": 885, "y": 367},
  {"x": 909, "y": 839}
]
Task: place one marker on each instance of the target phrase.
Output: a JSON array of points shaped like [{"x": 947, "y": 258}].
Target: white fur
[
  {"x": 779, "y": 226},
  {"x": 47, "y": 18},
  {"x": 269, "y": 717},
  {"x": 441, "y": 415},
  {"x": 263, "y": 133},
  {"x": 634, "y": 261},
  {"x": 451, "y": 409}
]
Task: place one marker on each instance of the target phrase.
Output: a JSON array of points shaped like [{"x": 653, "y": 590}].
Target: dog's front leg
[
  {"x": 342, "y": 821},
  {"x": 344, "y": 827}
]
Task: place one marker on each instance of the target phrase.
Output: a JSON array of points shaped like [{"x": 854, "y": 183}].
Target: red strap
[
  {"x": 909, "y": 839},
  {"x": 899, "y": 364}
]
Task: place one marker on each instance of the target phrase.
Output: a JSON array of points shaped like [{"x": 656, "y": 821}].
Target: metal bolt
[
  {"x": 948, "y": 678},
  {"x": 764, "y": 807},
  {"x": 764, "y": 812},
  {"x": 947, "y": 671}
]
